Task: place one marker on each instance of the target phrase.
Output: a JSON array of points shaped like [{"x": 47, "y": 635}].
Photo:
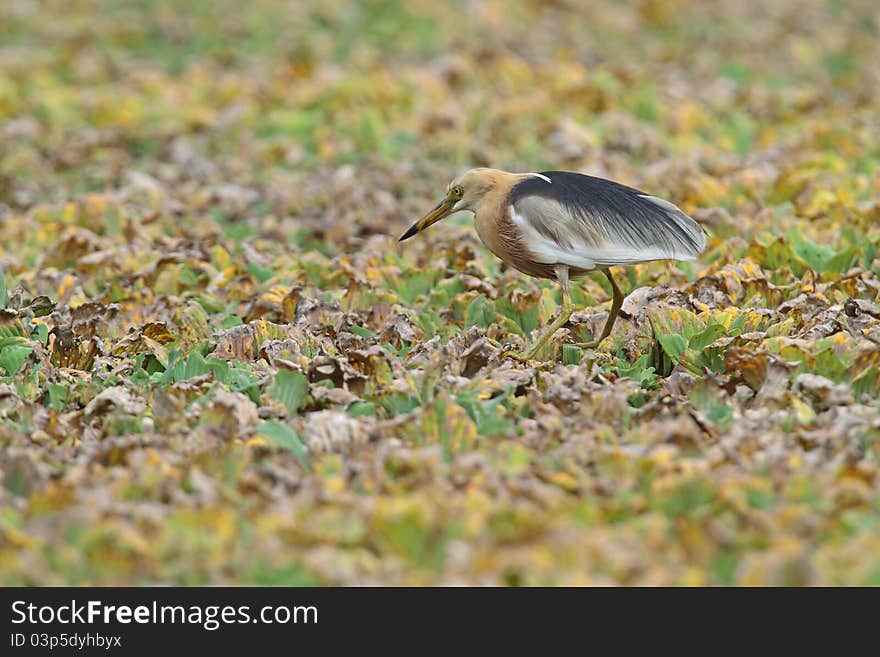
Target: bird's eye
[{"x": 457, "y": 192}]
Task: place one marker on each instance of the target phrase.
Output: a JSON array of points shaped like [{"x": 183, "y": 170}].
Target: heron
[{"x": 561, "y": 225}]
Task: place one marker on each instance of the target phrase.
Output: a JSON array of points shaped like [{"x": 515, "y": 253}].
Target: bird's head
[{"x": 463, "y": 193}]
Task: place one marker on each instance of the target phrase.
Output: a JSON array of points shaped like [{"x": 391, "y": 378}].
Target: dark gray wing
[{"x": 589, "y": 222}]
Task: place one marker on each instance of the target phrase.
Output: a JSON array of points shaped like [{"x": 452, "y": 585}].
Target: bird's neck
[{"x": 492, "y": 219}]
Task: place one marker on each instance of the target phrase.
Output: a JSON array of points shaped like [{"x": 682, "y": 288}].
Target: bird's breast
[
  {"x": 501, "y": 236},
  {"x": 487, "y": 230}
]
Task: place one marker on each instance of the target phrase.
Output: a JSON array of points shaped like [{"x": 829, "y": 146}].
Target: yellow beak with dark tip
[{"x": 441, "y": 210}]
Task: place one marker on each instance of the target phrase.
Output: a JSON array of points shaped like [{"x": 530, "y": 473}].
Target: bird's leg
[
  {"x": 616, "y": 303},
  {"x": 564, "y": 315}
]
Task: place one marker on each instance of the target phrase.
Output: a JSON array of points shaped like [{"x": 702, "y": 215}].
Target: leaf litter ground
[{"x": 217, "y": 365}]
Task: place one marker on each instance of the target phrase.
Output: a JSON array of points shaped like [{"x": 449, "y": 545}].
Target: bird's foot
[
  {"x": 517, "y": 356},
  {"x": 512, "y": 350}
]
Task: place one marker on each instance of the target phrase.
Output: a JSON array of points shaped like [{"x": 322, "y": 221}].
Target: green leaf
[
  {"x": 220, "y": 368},
  {"x": 673, "y": 344},
  {"x": 362, "y": 332},
  {"x": 362, "y": 409},
  {"x": 843, "y": 260},
  {"x": 816, "y": 255},
  {"x": 262, "y": 274},
  {"x": 429, "y": 321},
  {"x": 231, "y": 320},
  {"x": 12, "y": 357},
  {"x": 285, "y": 437},
  {"x": 490, "y": 420},
  {"x": 708, "y": 398},
  {"x": 525, "y": 320},
  {"x": 57, "y": 396},
  {"x": 290, "y": 388},
  {"x": 398, "y": 403},
  {"x": 195, "y": 365},
  {"x": 415, "y": 284},
  {"x": 480, "y": 312},
  {"x": 640, "y": 371},
  {"x": 721, "y": 415},
  {"x": 4, "y": 295},
  {"x": 571, "y": 355},
  {"x": 706, "y": 337}
]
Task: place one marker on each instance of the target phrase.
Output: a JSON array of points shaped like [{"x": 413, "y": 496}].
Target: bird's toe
[{"x": 516, "y": 355}]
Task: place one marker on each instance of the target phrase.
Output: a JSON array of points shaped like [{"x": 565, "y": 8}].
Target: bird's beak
[{"x": 441, "y": 210}]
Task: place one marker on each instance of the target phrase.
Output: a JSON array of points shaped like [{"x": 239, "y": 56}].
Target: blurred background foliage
[{"x": 217, "y": 367}]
